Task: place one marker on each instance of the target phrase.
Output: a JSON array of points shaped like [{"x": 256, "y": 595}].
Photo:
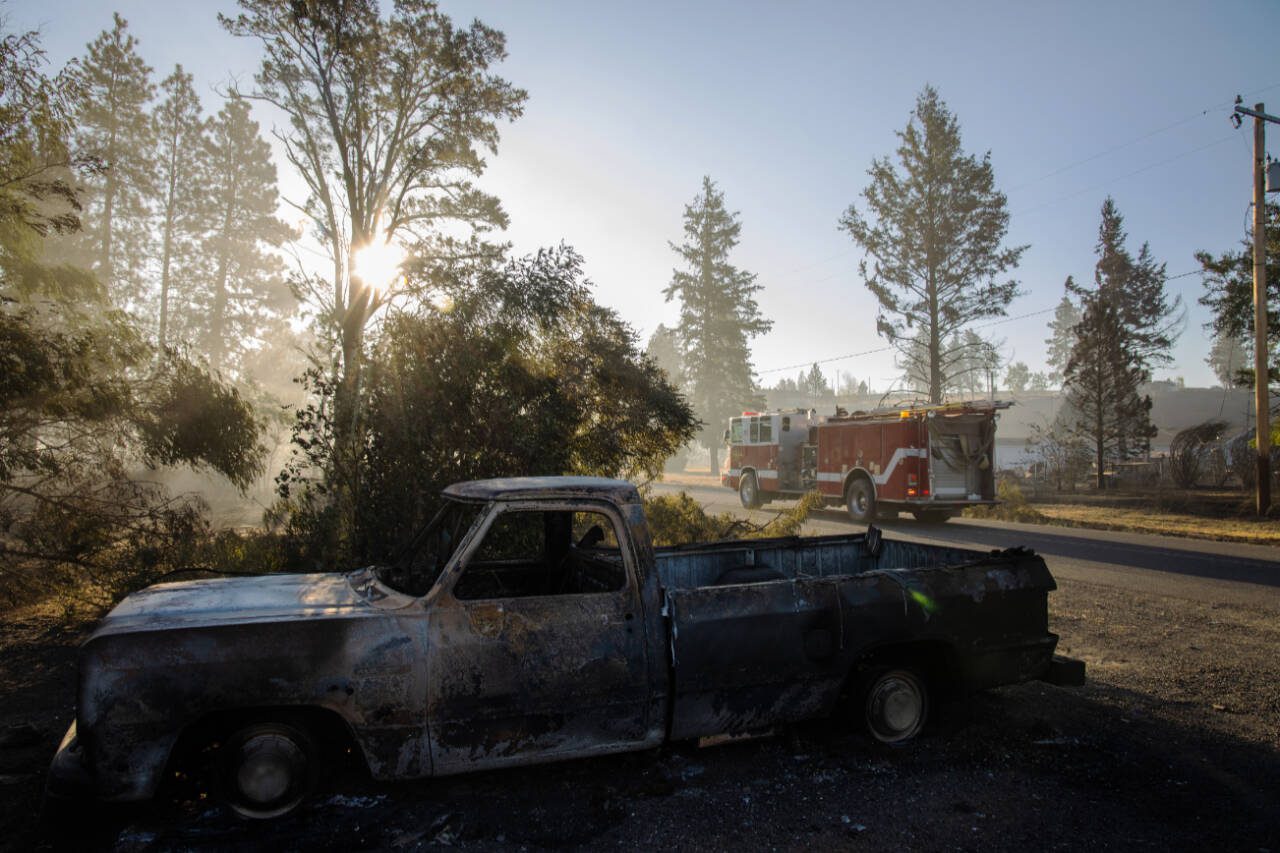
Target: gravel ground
[{"x": 1174, "y": 743}]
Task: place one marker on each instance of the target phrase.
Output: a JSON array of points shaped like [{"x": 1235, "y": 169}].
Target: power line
[
  {"x": 1137, "y": 139},
  {"x": 1107, "y": 183},
  {"x": 1099, "y": 155},
  {"x": 889, "y": 347}
]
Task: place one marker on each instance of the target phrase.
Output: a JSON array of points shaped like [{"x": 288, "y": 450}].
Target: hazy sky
[{"x": 786, "y": 104}]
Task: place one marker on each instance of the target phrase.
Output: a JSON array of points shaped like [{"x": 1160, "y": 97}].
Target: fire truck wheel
[
  {"x": 749, "y": 492},
  {"x": 860, "y": 500},
  {"x": 931, "y": 516}
]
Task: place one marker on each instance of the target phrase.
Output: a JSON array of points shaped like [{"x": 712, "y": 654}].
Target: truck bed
[
  {"x": 796, "y": 557},
  {"x": 750, "y": 649}
]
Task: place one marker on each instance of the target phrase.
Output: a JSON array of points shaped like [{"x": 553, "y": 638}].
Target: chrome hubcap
[
  {"x": 896, "y": 708},
  {"x": 269, "y": 766}
]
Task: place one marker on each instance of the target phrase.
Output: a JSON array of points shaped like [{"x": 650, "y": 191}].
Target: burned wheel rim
[
  {"x": 896, "y": 705},
  {"x": 749, "y": 492},
  {"x": 268, "y": 771}
]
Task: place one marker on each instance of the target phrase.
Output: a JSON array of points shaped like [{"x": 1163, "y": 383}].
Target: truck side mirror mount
[{"x": 726, "y": 436}]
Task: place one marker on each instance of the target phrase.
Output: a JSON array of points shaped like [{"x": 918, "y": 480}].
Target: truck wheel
[
  {"x": 267, "y": 770},
  {"x": 860, "y": 500},
  {"x": 931, "y": 516},
  {"x": 895, "y": 704},
  {"x": 749, "y": 491}
]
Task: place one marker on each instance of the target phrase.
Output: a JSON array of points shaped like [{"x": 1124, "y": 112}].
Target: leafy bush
[
  {"x": 679, "y": 519},
  {"x": 523, "y": 375},
  {"x": 1190, "y": 450}
]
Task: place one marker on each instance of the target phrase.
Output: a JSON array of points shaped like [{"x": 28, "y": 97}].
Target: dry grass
[{"x": 1161, "y": 522}]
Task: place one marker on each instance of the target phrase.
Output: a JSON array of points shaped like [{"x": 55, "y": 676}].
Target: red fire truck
[{"x": 931, "y": 461}]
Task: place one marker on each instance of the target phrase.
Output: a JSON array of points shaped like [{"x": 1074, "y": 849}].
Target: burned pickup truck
[{"x": 533, "y": 620}]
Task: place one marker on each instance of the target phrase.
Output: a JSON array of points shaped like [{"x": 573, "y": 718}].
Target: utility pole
[{"x": 1261, "y": 372}]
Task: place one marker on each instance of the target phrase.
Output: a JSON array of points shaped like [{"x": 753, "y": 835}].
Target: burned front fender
[{"x": 146, "y": 681}]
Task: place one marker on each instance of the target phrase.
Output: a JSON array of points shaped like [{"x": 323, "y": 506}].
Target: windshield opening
[{"x": 418, "y": 566}]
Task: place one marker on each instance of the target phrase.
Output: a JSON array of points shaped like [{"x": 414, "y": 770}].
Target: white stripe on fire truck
[
  {"x": 882, "y": 478},
  {"x": 760, "y": 472}
]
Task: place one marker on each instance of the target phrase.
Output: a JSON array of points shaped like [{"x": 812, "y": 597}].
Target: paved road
[{"x": 1212, "y": 572}]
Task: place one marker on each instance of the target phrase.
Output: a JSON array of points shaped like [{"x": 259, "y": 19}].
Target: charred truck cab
[
  {"x": 931, "y": 461},
  {"x": 533, "y": 620}
]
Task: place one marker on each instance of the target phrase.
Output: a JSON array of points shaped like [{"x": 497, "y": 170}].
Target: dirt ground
[{"x": 1173, "y": 744}]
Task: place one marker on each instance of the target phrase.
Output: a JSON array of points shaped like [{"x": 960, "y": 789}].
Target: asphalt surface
[{"x": 1195, "y": 569}]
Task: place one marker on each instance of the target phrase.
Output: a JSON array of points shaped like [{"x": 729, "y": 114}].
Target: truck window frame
[{"x": 475, "y": 539}]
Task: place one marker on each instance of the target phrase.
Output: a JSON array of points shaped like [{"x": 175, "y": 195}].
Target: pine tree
[
  {"x": 113, "y": 90},
  {"x": 1137, "y": 287},
  {"x": 815, "y": 383},
  {"x": 1103, "y": 378},
  {"x": 935, "y": 238},
  {"x": 718, "y": 315},
  {"x": 1017, "y": 377},
  {"x": 1062, "y": 337},
  {"x": 242, "y": 290},
  {"x": 1228, "y": 357},
  {"x": 664, "y": 349},
  {"x": 1228, "y": 283},
  {"x": 1126, "y": 327},
  {"x": 180, "y": 131}
]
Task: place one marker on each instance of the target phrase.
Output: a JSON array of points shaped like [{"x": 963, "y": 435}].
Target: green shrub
[{"x": 679, "y": 519}]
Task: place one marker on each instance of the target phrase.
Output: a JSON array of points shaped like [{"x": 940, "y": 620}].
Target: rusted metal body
[{"x": 628, "y": 647}]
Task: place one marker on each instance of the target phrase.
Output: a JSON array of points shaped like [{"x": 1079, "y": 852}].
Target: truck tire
[
  {"x": 931, "y": 516},
  {"x": 860, "y": 501},
  {"x": 895, "y": 704},
  {"x": 267, "y": 770},
  {"x": 749, "y": 491}
]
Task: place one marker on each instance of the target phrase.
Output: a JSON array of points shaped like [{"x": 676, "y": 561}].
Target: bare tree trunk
[
  {"x": 347, "y": 428},
  {"x": 935, "y": 346},
  {"x": 217, "y": 323},
  {"x": 168, "y": 249}
]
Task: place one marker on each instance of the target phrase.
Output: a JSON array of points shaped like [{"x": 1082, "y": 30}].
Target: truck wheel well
[
  {"x": 855, "y": 474},
  {"x": 933, "y": 659},
  {"x": 336, "y": 742}
]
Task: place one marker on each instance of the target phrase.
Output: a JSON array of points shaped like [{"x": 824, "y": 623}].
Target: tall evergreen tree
[
  {"x": 815, "y": 383},
  {"x": 1062, "y": 337},
  {"x": 1228, "y": 283},
  {"x": 934, "y": 237},
  {"x": 112, "y": 123},
  {"x": 242, "y": 289},
  {"x": 1017, "y": 377},
  {"x": 1127, "y": 326},
  {"x": 1137, "y": 287},
  {"x": 718, "y": 315},
  {"x": 664, "y": 349},
  {"x": 1227, "y": 358},
  {"x": 180, "y": 131},
  {"x": 1103, "y": 377}
]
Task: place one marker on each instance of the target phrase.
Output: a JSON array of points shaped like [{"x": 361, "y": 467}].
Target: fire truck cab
[{"x": 931, "y": 461}]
